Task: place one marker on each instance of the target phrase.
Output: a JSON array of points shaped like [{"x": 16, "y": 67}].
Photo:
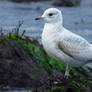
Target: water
[{"x": 77, "y": 19}]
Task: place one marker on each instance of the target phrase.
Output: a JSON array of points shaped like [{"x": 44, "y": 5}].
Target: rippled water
[{"x": 77, "y": 19}]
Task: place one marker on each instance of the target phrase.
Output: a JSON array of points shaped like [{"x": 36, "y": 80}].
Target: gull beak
[{"x": 38, "y": 18}]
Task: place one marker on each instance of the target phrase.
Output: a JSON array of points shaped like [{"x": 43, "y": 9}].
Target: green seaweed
[
  {"x": 32, "y": 77},
  {"x": 78, "y": 82},
  {"x": 4, "y": 42}
]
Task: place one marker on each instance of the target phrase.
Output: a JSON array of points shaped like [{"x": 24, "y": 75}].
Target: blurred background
[{"x": 77, "y": 15}]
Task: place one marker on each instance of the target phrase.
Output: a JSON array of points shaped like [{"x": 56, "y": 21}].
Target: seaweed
[{"x": 25, "y": 64}]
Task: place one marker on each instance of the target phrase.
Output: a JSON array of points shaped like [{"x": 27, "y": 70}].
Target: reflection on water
[
  {"x": 75, "y": 19},
  {"x": 11, "y": 13}
]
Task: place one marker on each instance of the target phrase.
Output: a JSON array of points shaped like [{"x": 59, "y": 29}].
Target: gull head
[{"x": 51, "y": 15}]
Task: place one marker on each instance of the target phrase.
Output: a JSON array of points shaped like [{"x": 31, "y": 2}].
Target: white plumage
[{"x": 63, "y": 45}]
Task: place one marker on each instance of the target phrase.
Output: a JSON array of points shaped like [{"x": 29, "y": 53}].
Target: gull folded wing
[{"x": 77, "y": 51}]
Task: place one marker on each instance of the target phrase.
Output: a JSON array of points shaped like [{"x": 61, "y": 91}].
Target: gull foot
[{"x": 66, "y": 77}]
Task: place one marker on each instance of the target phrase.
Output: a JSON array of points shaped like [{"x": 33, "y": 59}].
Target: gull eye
[{"x": 50, "y": 14}]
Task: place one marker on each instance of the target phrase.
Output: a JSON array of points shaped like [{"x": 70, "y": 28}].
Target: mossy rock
[
  {"x": 17, "y": 67},
  {"x": 25, "y": 64}
]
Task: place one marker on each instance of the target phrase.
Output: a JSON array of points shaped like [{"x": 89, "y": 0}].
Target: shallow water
[{"x": 77, "y": 19}]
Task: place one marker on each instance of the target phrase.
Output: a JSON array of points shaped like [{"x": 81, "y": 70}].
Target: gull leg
[{"x": 67, "y": 71}]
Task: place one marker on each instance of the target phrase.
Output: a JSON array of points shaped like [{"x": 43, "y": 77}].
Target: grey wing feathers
[{"x": 76, "y": 47}]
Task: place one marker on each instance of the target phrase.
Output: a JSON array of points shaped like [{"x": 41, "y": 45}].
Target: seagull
[{"x": 61, "y": 44}]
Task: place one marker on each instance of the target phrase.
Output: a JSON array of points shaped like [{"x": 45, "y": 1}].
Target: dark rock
[
  {"x": 66, "y": 2},
  {"x": 18, "y": 68},
  {"x": 70, "y": 90}
]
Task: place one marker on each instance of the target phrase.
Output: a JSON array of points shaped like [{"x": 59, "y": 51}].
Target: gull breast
[{"x": 50, "y": 41}]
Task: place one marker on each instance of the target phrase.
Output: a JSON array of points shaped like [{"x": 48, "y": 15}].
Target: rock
[
  {"x": 66, "y": 2},
  {"x": 18, "y": 68}
]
